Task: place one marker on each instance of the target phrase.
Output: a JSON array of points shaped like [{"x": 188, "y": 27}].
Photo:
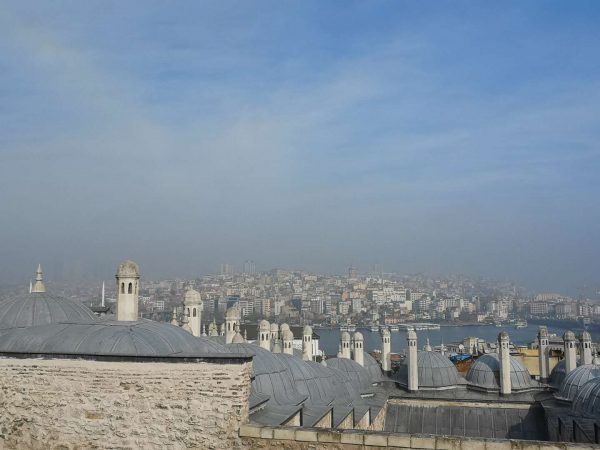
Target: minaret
[
  {"x": 359, "y": 342},
  {"x": 222, "y": 329},
  {"x": 543, "y": 358},
  {"x": 288, "y": 339},
  {"x": 413, "y": 369},
  {"x": 274, "y": 332},
  {"x": 231, "y": 323},
  {"x": 504, "y": 358},
  {"x": 346, "y": 345},
  {"x": 264, "y": 335},
  {"x": 570, "y": 352},
  {"x": 128, "y": 278},
  {"x": 192, "y": 304},
  {"x": 307, "y": 350},
  {"x": 586, "y": 348},
  {"x": 30, "y": 286},
  {"x": 39, "y": 287},
  {"x": 386, "y": 349},
  {"x": 174, "y": 320},
  {"x": 185, "y": 322},
  {"x": 103, "y": 295}
]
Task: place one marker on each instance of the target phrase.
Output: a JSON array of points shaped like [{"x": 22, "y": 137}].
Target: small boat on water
[
  {"x": 374, "y": 328},
  {"x": 520, "y": 324},
  {"x": 351, "y": 328},
  {"x": 394, "y": 328}
]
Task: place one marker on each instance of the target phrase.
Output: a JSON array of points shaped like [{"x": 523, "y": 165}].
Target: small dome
[
  {"x": 485, "y": 373},
  {"x": 42, "y": 308},
  {"x": 231, "y": 313},
  {"x": 192, "y": 297},
  {"x": 287, "y": 335},
  {"x": 358, "y": 336},
  {"x": 386, "y": 331},
  {"x": 434, "y": 369},
  {"x": 569, "y": 336},
  {"x": 576, "y": 379},
  {"x": 345, "y": 336},
  {"x": 586, "y": 336},
  {"x": 274, "y": 328},
  {"x": 587, "y": 400},
  {"x": 128, "y": 269},
  {"x": 264, "y": 325},
  {"x": 503, "y": 336},
  {"x": 307, "y": 330},
  {"x": 411, "y": 334},
  {"x": 543, "y": 331},
  {"x": 283, "y": 327},
  {"x": 141, "y": 338}
]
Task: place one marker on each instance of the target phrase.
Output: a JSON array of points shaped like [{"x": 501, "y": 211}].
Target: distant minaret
[
  {"x": 543, "y": 357},
  {"x": 30, "y": 286},
  {"x": 586, "y": 348},
  {"x": 570, "y": 351},
  {"x": 39, "y": 287},
  {"x": 359, "y": 341},
  {"x": 413, "y": 370},
  {"x": 346, "y": 351},
  {"x": 128, "y": 278},
  {"x": 264, "y": 335},
  {"x": 386, "y": 364},
  {"x": 231, "y": 322},
  {"x": 504, "y": 358},
  {"x": 274, "y": 332},
  {"x": 103, "y": 294},
  {"x": 288, "y": 339},
  {"x": 192, "y": 305},
  {"x": 307, "y": 350}
]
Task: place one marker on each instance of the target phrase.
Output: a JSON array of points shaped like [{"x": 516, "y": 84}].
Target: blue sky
[{"x": 442, "y": 137}]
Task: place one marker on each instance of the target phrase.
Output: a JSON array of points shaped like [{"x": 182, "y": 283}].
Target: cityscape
[{"x": 299, "y": 225}]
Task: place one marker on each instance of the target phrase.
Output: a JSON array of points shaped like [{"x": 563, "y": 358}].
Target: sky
[{"x": 438, "y": 137}]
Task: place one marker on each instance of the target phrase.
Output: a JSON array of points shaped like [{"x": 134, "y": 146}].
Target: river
[{"x": 330, "y": 338}]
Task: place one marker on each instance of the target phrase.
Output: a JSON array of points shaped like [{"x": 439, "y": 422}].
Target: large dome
[
  {"x": 141, "y": 338},
  {"x": 559, "y": 372},
  {"x": 485, "y": 373},
  {"x": 435, "y": 371},
  {"x": 587, "y": 400},
  {"x": 576, "y": 379},
  {"x": 41, "y": 308},
  {"x": 357, "y": 374}
]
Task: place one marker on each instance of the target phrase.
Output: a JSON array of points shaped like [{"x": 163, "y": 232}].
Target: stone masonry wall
[{"x": 68, "y": 404}]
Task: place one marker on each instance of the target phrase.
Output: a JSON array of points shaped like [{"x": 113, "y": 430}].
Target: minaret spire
[
  {"x": 103, "y": 292},
  {"x": 39, "y": 281}
]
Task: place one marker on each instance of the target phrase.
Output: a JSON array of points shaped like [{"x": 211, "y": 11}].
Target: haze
[{"x": 442, "y": 137}]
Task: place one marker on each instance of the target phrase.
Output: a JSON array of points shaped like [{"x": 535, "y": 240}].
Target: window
[
  {"x": 130, "y": 288},
  {"x": 194, "y": 312},
  {"x": 122, "y": 288}
]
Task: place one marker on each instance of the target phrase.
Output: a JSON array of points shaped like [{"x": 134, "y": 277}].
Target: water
[{"x": 330, "y": 338}]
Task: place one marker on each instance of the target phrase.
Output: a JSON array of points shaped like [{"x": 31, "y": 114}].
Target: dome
[
  {"x": 358, "y": 375},
  {"x": 485, "y": 373},
  {"x": 569, "y": 336},
  {"x": 575, "y": 379},
  {"x": 587, "y": 400},
  {"x": 42, "y": 308},
  {"x": 386, "y": 331},
  {"x": 435, "y": 371},
  {"x": 345, "y": 336},
  {"x": 287, "y": 335},
  {"x": 311, "y": 379},
  {"x": 283, "y": 327},
  {"x": 192, "y": 297},
  {"x": 128, "y": 269},
  {"x": 411, "y": 334},
  {"x": 274, "y": 328},
  {"x": 264, "y": 325},
  {"x": 373, "y": 367},
  {"x": 141, "y": 338},
  {"x": 358, "y": 336},
  {"x": 586, "y": 336},
  {"x": 558, "y": 373},
  {"x": 231, "y": 313},
  {"x": 307, "y": 330}
]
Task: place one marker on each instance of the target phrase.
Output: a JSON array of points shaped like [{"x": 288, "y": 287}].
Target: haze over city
[{"x": 443, "y": 138}]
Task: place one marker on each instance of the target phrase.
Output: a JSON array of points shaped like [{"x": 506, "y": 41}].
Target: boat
[
  {"x": 395, "y": 328},
  {"x": 374, "y": 328},
  {"x": 351, "y": 328},
  {"x": 521, "y": 324}
]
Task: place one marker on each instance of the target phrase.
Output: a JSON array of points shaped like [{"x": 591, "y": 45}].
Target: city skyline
[{"x": 437, "y": 139}]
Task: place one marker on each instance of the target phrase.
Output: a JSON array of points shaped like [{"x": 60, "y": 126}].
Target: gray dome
[
  {"x": 485, "y": 373},
  {"x": 41, "y": 308},
  {"x": 141, "y": 338},
  {"x": 557, "y": 376},
  {"x": 373, "y": 368},
  {"x": 435, "y": 371},
  {"x": 587, "y": 400},
  {"x": 357, "y": 374},
  {"x": 576, "y": 379},
  {"x": 311, "y": 379}
]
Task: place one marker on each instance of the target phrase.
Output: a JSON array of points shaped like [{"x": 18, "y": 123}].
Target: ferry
[
  {"x": 374, "y": 328},
  {"x": 394, "y": 328},
  {"x": 520, "y": 324},
  {"x": 351, "y": 328}
]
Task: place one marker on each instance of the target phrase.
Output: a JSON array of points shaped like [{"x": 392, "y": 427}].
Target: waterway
[{"x": 330, "y": 338}]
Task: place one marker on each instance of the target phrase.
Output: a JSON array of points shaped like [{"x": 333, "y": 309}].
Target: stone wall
[
  {"x": 68, "y": 404},
  {"x": 290, "y": 438}
]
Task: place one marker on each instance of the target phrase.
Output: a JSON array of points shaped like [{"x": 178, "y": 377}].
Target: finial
[
  {"x": 246, "y": 334},
  {"x": 174, "y": 318},
  {"x": 39, "y": 281},
  {"x": 204, "y": 330}
]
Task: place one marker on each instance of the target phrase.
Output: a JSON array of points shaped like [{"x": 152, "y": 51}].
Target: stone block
[
  {"x": 352, "y": 437},
  {"x": 376, "y": 440},
  {"x": 471, "y": 444},
  {"x": 422, "y": 442},
  {"x": 498, "y": 445},
  {"x": 306, "y": 435},
  {"x": 250, "y": 431},
  {"x": 447, "y": 443},
  {"x": 266, "y": 433},
  {"x": 285, "y": 434},
  {"x": 399, "y": 440},
  {"x": 329, "y": 436}
]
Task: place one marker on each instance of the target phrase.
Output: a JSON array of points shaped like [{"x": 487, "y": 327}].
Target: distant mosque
[{"x": 249, "y": 393}]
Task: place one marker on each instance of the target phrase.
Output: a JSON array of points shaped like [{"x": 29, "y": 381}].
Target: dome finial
[
  {"x": 39, "y": 281},
  {"x": 427, "y": 346}
]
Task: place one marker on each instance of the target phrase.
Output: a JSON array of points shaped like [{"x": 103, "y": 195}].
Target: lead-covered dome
[
  {"x": 558, "y": 373},
  {"x": 587, "y": 400},
  {"x": 485, "y": 374},
  {"x": 357, "y": 374},
  {"x": 576, "y": 379},
  {"x": 42, "y": 308},
  {"x": 435, "y": 371}
]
